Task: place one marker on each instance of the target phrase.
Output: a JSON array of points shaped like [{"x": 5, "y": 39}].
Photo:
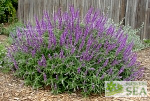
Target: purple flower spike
[
  {"x": 93, "y": 85},
  {"x": 39, "y": 70},
  {"x": 133, "y": 60},
  {"x": 79, "y": 70},
  {"x": 61, "y": 54},
  {"x": 105, "y": 63},
  {"x": 86, "y": 72},
  {"x": 121, "y": 70},
  {"x": 42, "y": 62},
  {"x": 39, "y": 63},
  {"x": 99, "y": 60},
  {"x": 102, "y": 76},
  {"x": 15, "y": 64},
  {"x": 72, "y": 50},
  {"x": 33, "y": 52}
]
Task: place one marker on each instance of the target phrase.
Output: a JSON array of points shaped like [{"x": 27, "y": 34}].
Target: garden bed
[{"x": 13, "y": 89}]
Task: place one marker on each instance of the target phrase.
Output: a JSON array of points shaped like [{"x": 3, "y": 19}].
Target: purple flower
[
  {"x": 102, "y": 76},
  {"x": 133, "y": 60},
  {"x": 56, "y": 55},
  {"x": 88, "y": 16},
  {"x": 98, "y": 47},
  {"x": 72, "y": 50},
  {"x": 15, "y": 64},
  {"x": 93, "y": 85},
  {"x": 52, "y": 39},
  {"x": 39, "y": 70},
  {"x": 121, "y": 70},
  {"x": 106, "y": 62},
  {"x": 109, "y": 71},
  {"x": 61, "y": 54},
  {"x": 79, "y": 70},
  {"x": 110, "y": 30},
  {"x": 83, "y": 64},
  {"x": 33, "y": 52},
  {"x": 42, "y": 62},
  {"x": 110, "y": 47},
  {"x": 119, "y": 48},
  {"x": 86, "y": 72},
  {"x": 63, "y": 37},
  {"x": 99, "y": 60},
  {"x": 48, "y": 20},
  {"x": 118, "y": 32},
  {"x": 115, "y": 62},
  {"x": 89, "y": 43},
  {"x": 128, "y": 49},
  {"x": 70, "y": 39},
  {"x": 81, "y": 45}
]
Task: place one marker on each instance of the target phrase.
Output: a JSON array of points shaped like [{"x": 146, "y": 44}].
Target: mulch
[{"x": 13, "y": 89}]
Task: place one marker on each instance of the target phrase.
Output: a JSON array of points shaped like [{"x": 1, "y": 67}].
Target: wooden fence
[{"x": 135, "y": 12}]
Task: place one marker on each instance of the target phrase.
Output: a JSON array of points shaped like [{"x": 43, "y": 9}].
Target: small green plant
[
  {"x": 3, "y": 51},
  {"x": 10, "y": 28},
  {"x": 147, "y": 42}
]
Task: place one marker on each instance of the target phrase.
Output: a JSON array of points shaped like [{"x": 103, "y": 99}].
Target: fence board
[{"x": 134, "y": 11}]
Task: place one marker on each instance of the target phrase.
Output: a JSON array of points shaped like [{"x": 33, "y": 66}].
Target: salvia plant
[{"x": 69, "y": 56}]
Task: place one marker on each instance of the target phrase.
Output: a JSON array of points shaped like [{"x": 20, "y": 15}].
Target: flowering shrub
[{"x": 67, "y": 56}]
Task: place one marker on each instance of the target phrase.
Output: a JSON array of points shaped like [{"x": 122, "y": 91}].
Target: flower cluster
[{"x": 71, "y": 55}]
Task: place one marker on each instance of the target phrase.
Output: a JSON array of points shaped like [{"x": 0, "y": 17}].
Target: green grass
[
  {"x": 147, "y": 42},
  {"x": 3, "y": 45}
]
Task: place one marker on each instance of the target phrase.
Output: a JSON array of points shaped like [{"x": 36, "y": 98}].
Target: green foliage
[
  {"x": 132, "y": 34},
  {"x": 10, "y": 28},
  {"x": 147, "y": 42},
  {"x": 3, "y": 67},
  {"x": 2, "y": 9},
  {"x": 8, "y": 10}
]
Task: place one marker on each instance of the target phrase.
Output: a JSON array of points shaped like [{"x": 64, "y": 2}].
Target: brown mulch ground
[
  {"x": 3, "y": 38},
  {"x": 13, "y": 89}
]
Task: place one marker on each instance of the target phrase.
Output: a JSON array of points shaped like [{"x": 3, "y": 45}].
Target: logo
[{"x": 125, "y": 89}]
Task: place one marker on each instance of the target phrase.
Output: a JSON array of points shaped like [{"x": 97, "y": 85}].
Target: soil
[
  {"x": 3, "y": 38},
  {"x": 13, "y": 89}
]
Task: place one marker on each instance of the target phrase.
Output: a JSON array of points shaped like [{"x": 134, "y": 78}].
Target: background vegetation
[{"x": 8, "y": 9}]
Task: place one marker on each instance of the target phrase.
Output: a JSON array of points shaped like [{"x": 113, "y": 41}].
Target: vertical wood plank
[{"x": 134, "y": 11}]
